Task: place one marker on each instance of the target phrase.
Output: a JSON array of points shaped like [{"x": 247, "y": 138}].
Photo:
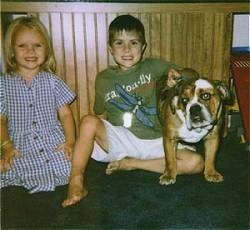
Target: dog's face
[{"x": 199, "y": 103}]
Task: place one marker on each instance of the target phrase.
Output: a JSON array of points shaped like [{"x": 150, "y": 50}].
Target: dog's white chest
[{"x": 191, "y": 136}]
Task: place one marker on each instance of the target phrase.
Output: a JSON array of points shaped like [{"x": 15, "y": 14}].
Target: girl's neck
[{"x": 28, "y": 75}]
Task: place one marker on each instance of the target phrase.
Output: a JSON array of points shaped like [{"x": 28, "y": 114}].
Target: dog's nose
[{"x": 195, "y": 110}]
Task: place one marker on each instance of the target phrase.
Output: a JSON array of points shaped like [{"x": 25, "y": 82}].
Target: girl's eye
[
  {"x": 38, "y": 45},
  {"x": 24, "y": 46},
  {"x": 205, "y": 96},
  {"x": 21, "y": 45}
]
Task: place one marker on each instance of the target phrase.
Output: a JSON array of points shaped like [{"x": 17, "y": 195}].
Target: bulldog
[{"x": 190, "y": 108}]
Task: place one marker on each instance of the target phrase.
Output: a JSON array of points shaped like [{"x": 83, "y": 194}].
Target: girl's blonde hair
[{"x": 32, "y": 23}]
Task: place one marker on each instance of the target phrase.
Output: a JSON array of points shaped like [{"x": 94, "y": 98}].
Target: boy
[{"x": 126, "y": 119}]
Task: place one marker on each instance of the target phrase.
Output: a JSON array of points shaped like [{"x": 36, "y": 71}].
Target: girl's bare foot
[
  {"x": 76, "y": 191},
  {"x": 124, "y": 164}
]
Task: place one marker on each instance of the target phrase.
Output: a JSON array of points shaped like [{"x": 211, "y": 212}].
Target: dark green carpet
[{"x": 135, "y": 200}]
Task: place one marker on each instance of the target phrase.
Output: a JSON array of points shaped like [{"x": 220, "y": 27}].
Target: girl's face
[
  {"x": 29, "y": 51},
  {"x": 127, "y": 49}
]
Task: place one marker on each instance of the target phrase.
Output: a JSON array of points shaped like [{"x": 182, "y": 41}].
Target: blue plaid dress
[{"x": 35, "y": 130}]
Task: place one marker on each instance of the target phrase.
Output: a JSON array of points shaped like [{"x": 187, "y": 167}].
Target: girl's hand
[
  {"x": 67, "y": 148},
  {"x": 7, "y": 156}
]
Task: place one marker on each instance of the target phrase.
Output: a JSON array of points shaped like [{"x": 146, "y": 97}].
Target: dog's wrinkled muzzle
[
  {"x": 198, "y": 117},
  {"x": 196, "y": 113}
]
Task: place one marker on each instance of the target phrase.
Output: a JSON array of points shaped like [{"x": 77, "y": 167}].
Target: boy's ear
[
  {"x": 144, "y": 48},
  {"x": 110, "y": 49}
]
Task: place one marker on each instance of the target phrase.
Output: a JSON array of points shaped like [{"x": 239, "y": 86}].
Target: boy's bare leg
[
  {"x": 91, "y": 129},
  {"x": 188, "y": 162}
]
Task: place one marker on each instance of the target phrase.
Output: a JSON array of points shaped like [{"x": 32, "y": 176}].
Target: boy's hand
[
  {"x": 7, "y": 156},
  {"x": 173, "y": 78},
  {"x": 67, "y": 148}
]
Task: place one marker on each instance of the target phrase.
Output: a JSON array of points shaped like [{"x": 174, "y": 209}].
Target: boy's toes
[{"x": 113, "y": 166}]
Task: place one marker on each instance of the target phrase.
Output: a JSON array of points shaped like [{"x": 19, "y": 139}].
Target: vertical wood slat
[
  {"x": 91, "y": 50},
  {"x": 145, "y": 20},
  {"x": 81, "y": 70},
  {"x": 110, "y": 18},
  {"x": 199, "y": 40},
  {"x": 57, "y": 40},
  {"x": 101, "y": 41}
]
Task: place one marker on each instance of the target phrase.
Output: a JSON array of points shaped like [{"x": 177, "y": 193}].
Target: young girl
[{"x": 37, "y": 125}]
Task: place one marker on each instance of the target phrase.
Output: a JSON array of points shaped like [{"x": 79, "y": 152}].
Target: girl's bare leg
[
  {"x": 91, "y": 129},
  {"x": 188, "y": 162}
]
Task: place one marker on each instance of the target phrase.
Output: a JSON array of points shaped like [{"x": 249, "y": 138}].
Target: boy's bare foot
[
  {"x": 76, "y": 191},
  {"x": 123, "y": 164}
]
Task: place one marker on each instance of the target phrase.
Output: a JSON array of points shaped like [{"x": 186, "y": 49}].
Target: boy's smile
[{"x": 127, "y": 49}]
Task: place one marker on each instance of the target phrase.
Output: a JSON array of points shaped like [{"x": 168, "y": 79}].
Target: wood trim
[{"x": 122, "y": 7}]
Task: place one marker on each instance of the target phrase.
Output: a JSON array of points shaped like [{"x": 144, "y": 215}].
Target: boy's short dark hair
[{"x": 128, "y": 23}]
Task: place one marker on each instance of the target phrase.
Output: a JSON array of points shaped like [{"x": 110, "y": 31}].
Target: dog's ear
[{"x": 224, "y": 92}]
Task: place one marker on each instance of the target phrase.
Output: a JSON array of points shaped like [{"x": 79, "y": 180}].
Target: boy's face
[{"x": 127, "y": 49}]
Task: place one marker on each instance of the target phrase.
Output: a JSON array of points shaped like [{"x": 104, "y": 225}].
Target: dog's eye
[
  {"x": 205, "y": 96},
  {"x": 184, "y": 100}
]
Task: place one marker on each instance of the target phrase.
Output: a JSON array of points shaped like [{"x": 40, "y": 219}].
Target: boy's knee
[
  {"x": 89, "y": 121},
  {"x": 198, "y": 164}
]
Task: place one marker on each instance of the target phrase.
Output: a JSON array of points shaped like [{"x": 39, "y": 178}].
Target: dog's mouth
[{"x": 199, "y": 118}]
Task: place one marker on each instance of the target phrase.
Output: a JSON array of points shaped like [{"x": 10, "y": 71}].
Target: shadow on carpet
[{"x": 135, "y": 200}]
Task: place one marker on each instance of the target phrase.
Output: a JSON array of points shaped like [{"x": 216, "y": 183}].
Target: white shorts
[{"x": 123, "y": 143}]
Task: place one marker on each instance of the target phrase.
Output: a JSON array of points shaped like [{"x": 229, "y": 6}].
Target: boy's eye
[
  {"x": 135, "y": 42},
  {"x": 118, "y": 43}
]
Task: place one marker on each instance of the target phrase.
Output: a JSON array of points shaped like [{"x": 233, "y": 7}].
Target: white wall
[{"x": 241, "y": 32}]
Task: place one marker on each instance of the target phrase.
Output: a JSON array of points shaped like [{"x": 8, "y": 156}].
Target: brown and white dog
[{"x": 190, "y": 110}]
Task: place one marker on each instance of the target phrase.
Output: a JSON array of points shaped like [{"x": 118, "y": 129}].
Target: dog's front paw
[
  {"x": 166, "y": 179},
  {"x": 213, "y": 176}
]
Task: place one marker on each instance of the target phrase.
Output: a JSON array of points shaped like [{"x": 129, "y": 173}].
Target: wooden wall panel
[
  {"x": 193, "y": 35},
  {"x": 83, "y": 104},
  {"x": 57, "y": 40}
]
